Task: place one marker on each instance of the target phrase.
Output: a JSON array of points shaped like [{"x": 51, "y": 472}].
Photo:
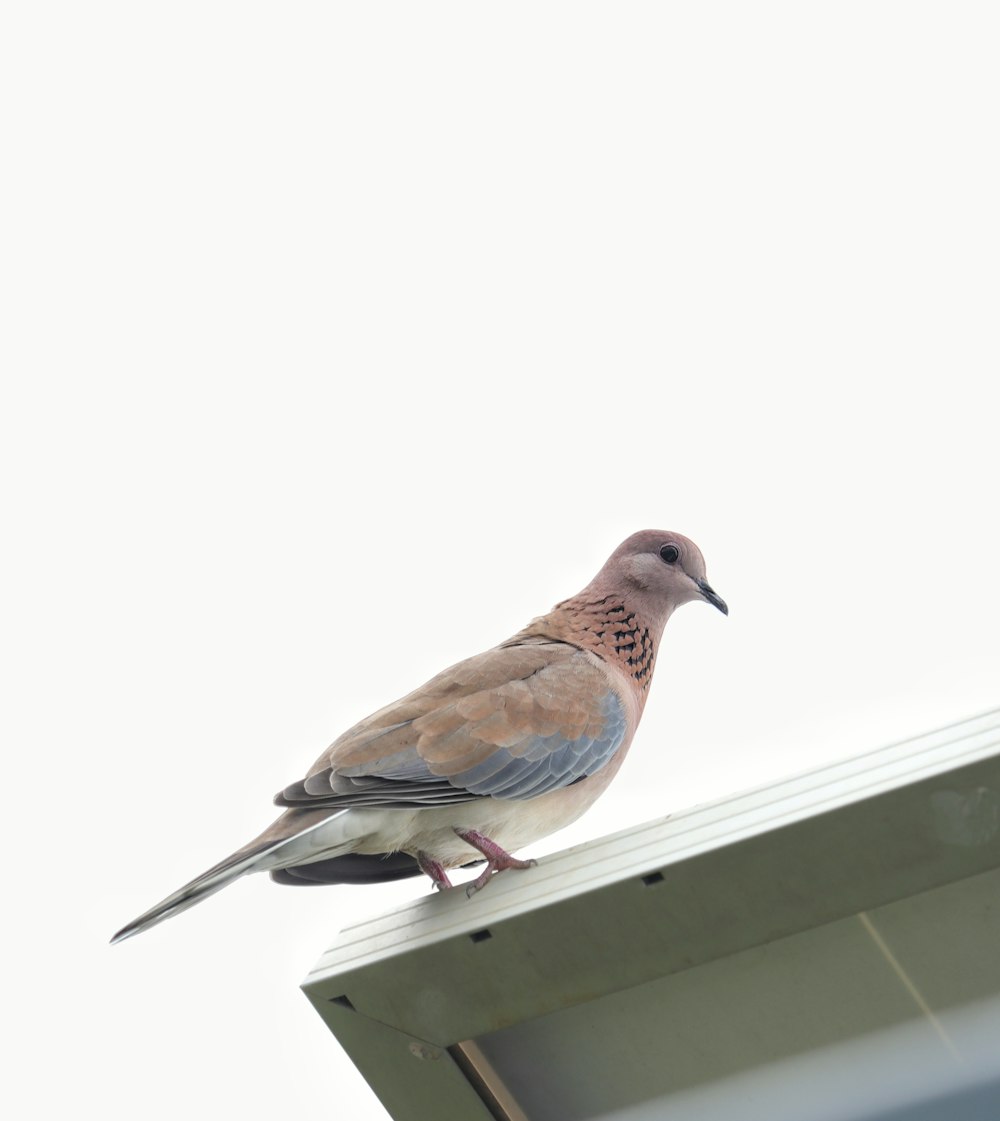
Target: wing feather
[{"x": 512, "y": 723}]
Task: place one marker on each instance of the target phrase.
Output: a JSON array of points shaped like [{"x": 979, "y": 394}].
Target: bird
[{"x": 491, "y": 754}]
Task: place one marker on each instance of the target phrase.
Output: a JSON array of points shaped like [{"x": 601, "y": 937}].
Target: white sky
[{"x": 343, "y": 339}]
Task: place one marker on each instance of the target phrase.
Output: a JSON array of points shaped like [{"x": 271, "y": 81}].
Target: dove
[{"x": 490, "y": 755}]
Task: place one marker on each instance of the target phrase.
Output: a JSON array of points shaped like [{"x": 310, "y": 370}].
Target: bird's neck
[{"x": 609, "y": 627}]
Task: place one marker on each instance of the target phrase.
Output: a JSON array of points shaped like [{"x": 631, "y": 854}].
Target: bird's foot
[
  {"x": 497, "y": 859},
  {"x": 429, "y": 866}
]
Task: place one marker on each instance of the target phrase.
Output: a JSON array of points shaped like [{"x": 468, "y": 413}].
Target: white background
[{"x": 342, "y": 339}]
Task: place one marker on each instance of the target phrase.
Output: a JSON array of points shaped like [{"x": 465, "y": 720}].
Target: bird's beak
[{"x": 712, "y": 596}]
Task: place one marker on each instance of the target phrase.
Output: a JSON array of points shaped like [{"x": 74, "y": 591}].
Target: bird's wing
[{"x": 514, "y": 723}]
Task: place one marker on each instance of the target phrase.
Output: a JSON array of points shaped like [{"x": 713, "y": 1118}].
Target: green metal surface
[{"x": 631, "y": 934}]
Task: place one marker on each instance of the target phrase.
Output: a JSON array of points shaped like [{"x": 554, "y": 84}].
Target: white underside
[{"x": 511, "y": 824}]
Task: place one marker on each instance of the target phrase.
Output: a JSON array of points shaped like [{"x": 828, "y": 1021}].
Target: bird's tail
[
  {"x": 294, "y": 837},
  {"x": 215, "y": 879}
]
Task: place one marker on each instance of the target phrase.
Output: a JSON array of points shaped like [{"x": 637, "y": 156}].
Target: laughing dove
[{"x": 489, "y": 755}]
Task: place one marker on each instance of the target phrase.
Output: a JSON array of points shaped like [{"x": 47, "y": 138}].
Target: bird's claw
[
  {"x": 497, "y": 859},
  {"x": 433, "y": 868}
]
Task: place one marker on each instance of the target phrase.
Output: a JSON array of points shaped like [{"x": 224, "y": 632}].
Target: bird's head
[{"x": 661, "y": 570}]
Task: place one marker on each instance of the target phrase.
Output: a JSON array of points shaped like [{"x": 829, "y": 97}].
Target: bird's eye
[{"x": 669, "y": 553}]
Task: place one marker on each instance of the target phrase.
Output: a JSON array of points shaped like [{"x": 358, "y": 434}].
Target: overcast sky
[{"x": 345, "y": 338}]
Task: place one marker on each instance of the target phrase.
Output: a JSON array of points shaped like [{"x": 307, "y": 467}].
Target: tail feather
[
  {"x": 215, "y": 879},
  {"x": 349, "y": 868},
  {"x": 295, "y": 832}
]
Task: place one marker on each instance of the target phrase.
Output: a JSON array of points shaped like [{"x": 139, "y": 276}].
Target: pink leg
[
  {"x": 432, "y": 868},
  {"x": 497, "y": 860}
]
